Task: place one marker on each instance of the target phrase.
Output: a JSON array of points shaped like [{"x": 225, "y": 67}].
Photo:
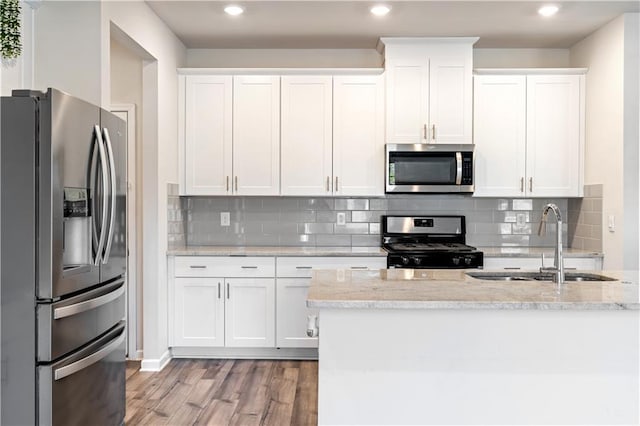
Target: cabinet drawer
[
  {"x": 203, "y": 266},
  {"x": 294, "y": 267},
  {"x": 533, "y": 263}
]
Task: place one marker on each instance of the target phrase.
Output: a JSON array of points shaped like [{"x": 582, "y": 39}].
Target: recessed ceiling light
[
  {"x": 380, "y": 10},
  {"x": 548, "y": 10},
  {"x": 234, "y": 10}
]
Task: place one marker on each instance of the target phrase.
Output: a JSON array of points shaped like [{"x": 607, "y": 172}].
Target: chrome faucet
[{"x": 558, "y": 266}]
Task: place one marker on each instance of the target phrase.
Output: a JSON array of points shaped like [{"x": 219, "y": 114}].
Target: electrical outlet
[
  {"x": 341, "y": 218},
  {"x": 225, "y": 219},
  {"x": 521, "y": 219}
]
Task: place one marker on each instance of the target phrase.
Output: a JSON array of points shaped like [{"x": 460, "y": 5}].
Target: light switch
[
  {"x": 612, "y": 223},
  {"x": 225, "y": 219}
]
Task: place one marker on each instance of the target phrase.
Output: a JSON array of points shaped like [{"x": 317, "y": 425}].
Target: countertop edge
[{"x": 433, "y": 305}]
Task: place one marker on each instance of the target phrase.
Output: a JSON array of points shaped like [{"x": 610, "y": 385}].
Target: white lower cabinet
[
  {"x": 533, "y": 263},
  {"x": 198, "y": 312},
  {"x": 247, "y": 302},
  {"x": 222, "y": 302},
  {"x": 250, "y": 312},
  {"x": 292, "y": 314},
  {"x": 293, "y": 280}
]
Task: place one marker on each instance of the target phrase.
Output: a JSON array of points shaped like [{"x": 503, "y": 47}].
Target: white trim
[
  {"x": 280, "y": 71},
  {"x": 245, "y": 353},
  {"x": 132, "y": 284},
  {"x": 155, "y": 364},
  {"x": 530, "y": 71}
]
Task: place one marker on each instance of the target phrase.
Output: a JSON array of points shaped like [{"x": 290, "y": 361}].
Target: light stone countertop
[
  {"x": 276, "y": 251},
  {"x": 453, "y": 289}
]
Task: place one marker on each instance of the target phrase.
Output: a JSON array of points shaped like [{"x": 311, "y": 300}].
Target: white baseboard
[
  {"x": 245, "y": 353},
  {"x": 155, "y": 364}
]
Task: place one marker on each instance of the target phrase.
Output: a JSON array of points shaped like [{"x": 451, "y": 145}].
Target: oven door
[
  {"x": 86, "y": 387},
  {"x": 424, "y": 168}
]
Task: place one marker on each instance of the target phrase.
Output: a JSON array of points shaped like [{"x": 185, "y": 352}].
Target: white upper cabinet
[
  {"x": 500, "y": 103},
  {"x": 207, "y": 134},
  {"x": 358, "y": 135},
  {"x": 529, "y": 134},
  {"x": 554, "y": 146},
  {"x": 306, "y": 141},
  {"x": 429, "y": 90},
  {"x": 256, "y": 135}
]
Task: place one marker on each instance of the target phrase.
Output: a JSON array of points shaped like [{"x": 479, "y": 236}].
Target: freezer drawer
[
  {"x": 68, "y": 324},
  {"x": 87, "y": 387}
]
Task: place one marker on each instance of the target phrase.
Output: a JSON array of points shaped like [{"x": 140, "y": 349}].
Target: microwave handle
[{"x": 458, "y": 168}]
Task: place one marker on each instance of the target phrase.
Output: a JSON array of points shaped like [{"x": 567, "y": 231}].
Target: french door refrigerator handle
[
  {"x": 83, "y": 363},
  {"x": 105, "y": 199},
  {"x": 112, "y": 217}
]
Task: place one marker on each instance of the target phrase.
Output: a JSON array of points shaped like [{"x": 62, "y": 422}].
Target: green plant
[{"x": 10, "y": 44}]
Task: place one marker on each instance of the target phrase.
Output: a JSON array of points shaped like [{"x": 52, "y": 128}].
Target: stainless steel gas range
[{"x": 428, "y": 242}]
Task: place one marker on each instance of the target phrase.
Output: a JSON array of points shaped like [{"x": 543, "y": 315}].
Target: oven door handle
[{"x": 458, "y": 168}]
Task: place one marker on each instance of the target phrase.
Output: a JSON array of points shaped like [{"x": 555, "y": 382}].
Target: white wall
[
  {"x": 603, "y": 53},
  {"x": 160, "y": 131},
  {"x": 631, "y": 139},
  {"x": 520, "y": 58},
  {"x": 18, "y": 73},
  {"x": 285, "y": 58},
  {"x": 362, "y": 58},
  {"x": 126, "y": 88},
  {"x": 67, "y": 48}
]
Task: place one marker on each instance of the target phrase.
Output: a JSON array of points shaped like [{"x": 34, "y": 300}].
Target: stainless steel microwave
[{"x": 428, "y": 168}]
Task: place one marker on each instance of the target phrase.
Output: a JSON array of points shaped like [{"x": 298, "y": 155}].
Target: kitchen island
[{"x": 440, "y": 347}]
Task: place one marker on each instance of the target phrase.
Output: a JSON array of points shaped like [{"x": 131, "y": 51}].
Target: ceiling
[{"x": 348, "y": 24}]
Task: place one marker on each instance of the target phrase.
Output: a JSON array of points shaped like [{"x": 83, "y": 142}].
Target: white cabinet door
[
  {"x": 208, "y": 143},
  {"x": 198, "y": 312},
  {"x": 553, "y": 136},
  {"x": 358, "y": 135},
  {"x": 450, "y": 98},
  {"x": 292, "y": 313},
  {"x": 407, "y": 99},
  {"x": 256, "y": 135},
  {"x": 250, "y": 312},
  {"x": 499, "y": 135},
  {"x": 306, "y": 141}
]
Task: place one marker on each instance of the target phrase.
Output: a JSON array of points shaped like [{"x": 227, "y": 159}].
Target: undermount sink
[{"x": 536, "y": 276}]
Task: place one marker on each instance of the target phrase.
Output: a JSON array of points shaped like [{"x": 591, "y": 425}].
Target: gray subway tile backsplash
[{"x": 311, "y": 221}]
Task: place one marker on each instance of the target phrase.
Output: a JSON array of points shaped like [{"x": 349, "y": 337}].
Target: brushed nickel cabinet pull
[
  {"x": 433, "y": 132},
  {"x": 328, "y": 180},
  {"x": 531, "y": 184},
  {"x": 228, "y": 290},
  {"x": 336, "y": 189},
  {"x": 249, "y": 267},
  {"x": 227, "y": 183},
  {"x": 303, "y": 267},
  {"x": 197, "y": 267},
  {"x": 236, "y": 179},
  {"x": 521, "y": 184},
  {"x": 218, "y": 290},
  {"x": 424, "y": 132}
]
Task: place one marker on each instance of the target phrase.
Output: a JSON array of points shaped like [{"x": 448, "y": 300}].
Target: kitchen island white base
[{"x": 404, "y": 366}]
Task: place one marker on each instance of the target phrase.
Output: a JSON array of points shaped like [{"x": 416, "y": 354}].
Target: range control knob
[
  {"x": 455, "y": 260},
  {"x": 404, "y": 260},
  {"x": 416, "y": 261},
  {"x": 467, "y": 260}
]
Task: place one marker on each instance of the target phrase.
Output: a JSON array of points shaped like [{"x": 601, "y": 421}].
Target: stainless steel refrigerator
[{"x": 63, "y": 252}]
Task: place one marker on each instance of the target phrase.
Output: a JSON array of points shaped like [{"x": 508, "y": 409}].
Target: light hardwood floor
[{"x": 224, "y": 392}]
